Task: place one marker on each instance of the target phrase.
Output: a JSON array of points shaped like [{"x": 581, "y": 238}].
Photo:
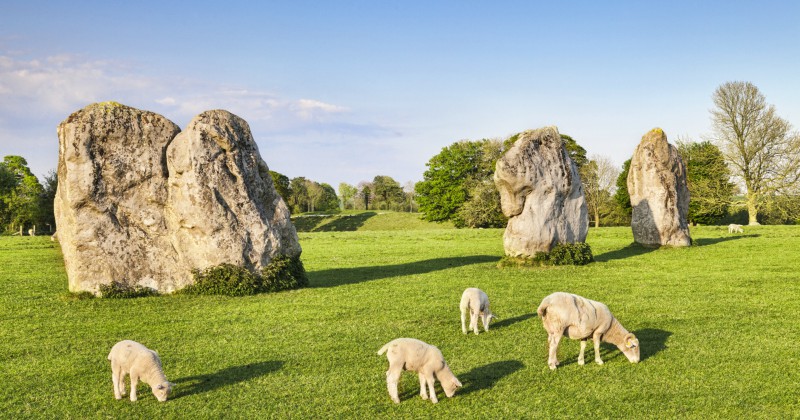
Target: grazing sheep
[
  {"x": 131, "y": 358},
  {"x": 476, "y": 302},
  {"x": 423, "y": 358},
  {"x": 734, "y": 228},
  {"x": 580, "y": 318}
]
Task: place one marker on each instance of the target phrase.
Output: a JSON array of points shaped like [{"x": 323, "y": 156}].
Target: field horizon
[{"x": 716, "y": 323}]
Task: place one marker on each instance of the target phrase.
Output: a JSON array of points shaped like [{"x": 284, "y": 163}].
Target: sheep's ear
[
  {"x": 160, "y": 386},
  {"x": 631, "y": 341},
  {"x": 458, "y": 383}
]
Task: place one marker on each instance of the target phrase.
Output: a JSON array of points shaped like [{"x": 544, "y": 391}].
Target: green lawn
[{"x": 717, "y": 323}]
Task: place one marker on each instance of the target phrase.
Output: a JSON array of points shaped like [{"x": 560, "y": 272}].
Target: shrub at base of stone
[
  {"x": 116, "y": 290},
  {"x": 579, "y": 253},
  {"x": 282, "y": 273}
]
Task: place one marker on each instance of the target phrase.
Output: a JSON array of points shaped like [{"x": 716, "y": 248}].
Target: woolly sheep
[
  {"x": 580, "y": 318},
  {"x": 476, "y": 302},
  {"x": 423, "y": 358},
  {"x": 131, "y": 358},
  {"x": 734, "y": 228}
]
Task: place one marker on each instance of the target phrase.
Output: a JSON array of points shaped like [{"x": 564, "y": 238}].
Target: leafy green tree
[
  {"x": 47, "y": 198},
  {"x": 347, "y": 193},
  {"x": 452, "y": 174},
  {"x": 622, "y": 196},
  {"x": 482, "y": 210},
  {"x": 388, "y": 195},
  {"x": 709, "y": 182},
  {"x": 575, "y": 151},
  {"x": 8, "y": 182},
  {"x": 22, "y": 203},
  {"x": 298, "y": 199},
  {"x": 364, "y": 196},
  {"x": 282, "y": 185},
  {"x": 328, "y": 200}
]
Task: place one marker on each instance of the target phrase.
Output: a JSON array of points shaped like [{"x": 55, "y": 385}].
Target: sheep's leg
[
  {"x": 583, "y": 349},
  {"x": 486, "y": 319},
  {"x": 392, "y": 376},
  {"x": 597, "y": 358},
  {"x": 431, "y": 384},
  {"x": 422, "y": 392},
  {"x": 554, "y": 339},
  {"x": 122, "y": 391},
  {"x": 473, "y": 321},
  {"x": 464, "y": 320},
  {"x": 134, "y": 383},
  {"x": 115, "y": 379}
]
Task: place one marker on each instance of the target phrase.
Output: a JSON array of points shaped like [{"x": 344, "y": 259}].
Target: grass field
[{"x": 717, "y": 323}]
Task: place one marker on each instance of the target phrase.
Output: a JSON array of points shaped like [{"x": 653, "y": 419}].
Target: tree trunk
[
  {"x": 752, "y": 208},
  {"x": 596, "y": 217}
]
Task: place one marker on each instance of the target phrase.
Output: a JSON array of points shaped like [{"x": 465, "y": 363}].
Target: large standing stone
[
  {"x": 142, "y": 205},
  {"x": 659, "y": 193},
  {"x": 541, "y": 194}
]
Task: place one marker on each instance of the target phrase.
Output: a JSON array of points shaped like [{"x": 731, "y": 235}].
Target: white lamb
[
  {"x": 580, "y": 318},
  {"x": 423, "y": 358},
  {"x": 131, "y": 358},
  {"x": 734, "y": 228},
  {"x": 476, "y": 302}
]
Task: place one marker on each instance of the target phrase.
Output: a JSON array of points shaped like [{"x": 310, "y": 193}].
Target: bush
[
  {"x": 116, "y": 290},
  {"x": 561, "y": 254},
  {"x": 283, "y": 273}
]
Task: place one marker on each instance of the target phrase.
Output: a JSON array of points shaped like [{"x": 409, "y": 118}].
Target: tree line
[{"x": 747, "y": 172}]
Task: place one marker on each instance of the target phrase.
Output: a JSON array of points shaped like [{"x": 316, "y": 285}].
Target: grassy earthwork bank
[{"x": 717, "y": 323}]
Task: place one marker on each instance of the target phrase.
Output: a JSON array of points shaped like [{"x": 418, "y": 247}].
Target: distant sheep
[
  {"x": 580, "y": 318},
  {"x": 734, "y": 228},
  {"x": 423, "y": 358},
  {"x": 131, "y": 358},
  {"x": 475, "y": 301}
]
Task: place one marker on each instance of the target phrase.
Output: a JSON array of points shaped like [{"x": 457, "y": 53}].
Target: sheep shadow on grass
[
  {"x": 505, "y": 322},
  {"x": 486, "y": 376},
  {"x": 199, "y": 384}
]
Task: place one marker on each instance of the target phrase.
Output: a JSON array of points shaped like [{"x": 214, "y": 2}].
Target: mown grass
[{"x": 717, "y": 324}]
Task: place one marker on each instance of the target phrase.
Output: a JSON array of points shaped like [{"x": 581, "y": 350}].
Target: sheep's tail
[
  {"x": 542, "y": 310},
  {"x": 383, "y": 349}
]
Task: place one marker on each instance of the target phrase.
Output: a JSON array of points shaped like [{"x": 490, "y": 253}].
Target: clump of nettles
[
  {"x": 561, "y": 254},
  {"x": 116, "y": 290},
  {"x": 283, "y": 273}
]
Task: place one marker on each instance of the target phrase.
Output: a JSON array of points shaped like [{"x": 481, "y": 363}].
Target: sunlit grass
[{"x": 717, "y": 324}]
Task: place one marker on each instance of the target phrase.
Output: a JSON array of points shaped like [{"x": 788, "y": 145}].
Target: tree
[
  {"x": 452, "y": 174},
  {"x": 47, "y": 198},
  {"x": 298, "y": 199},
  {"x": 622, "y": 197},
  {"x": 575, "y": 151},
  {"x": 408, "y": 190},
  {"x": 709, "y": 183},
  {"x": 282, "y": 185},
  {"x": 388, "y": 195},
  {"x": 328, "y": 200},
  {"x": 758, "y": 145},
  {"x": 347, "y": 193},
  {"x": 482, "y": 210},
  {"x": 22, "y": 203},
  {"x": 599, "y": 176},
  {"x": 364, "y": 195}
]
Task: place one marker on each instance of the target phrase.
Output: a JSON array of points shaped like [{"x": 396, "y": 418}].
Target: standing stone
[
  {"x": 223, "y": 207},
  {"x": 142, "y": 205},
  {"x": 541, "y": 194},
  {"x": 659, "y": 193},
  {"x": 109, "y": 205}
]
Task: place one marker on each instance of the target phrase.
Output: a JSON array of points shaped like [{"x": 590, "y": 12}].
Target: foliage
[
  {"x": 347, "y": 194},
  {"x": 117, "y": 290},
  {"x": 759, "y": 146},
  {"x": 282, "y": 273},
  {"x": 562, "y": 254},
  {"x": 575, "y": 151},
  {"x": 309, "y": 196},
  {"x": 598, "y": 177},
  {"x": 482, "y": 210},
  {"x": 452, "y": 174},
  {"x": 622, "y": 196},
  {"x": 282, "y": 185},
  {"x": 261, "y": 356},
  {"x": 709, "y": 183},
  {"x": 387, "y": 194},
  {"x": 21, "y": 206}
]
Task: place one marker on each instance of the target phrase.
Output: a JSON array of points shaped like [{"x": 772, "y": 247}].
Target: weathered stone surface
[
  {"x": 541, "y": 194},
  {"x": 659, "y": 193},
  {"x": 140, "y": 204}
]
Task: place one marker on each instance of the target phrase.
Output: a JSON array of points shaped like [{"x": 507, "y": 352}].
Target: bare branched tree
[
  {"x": 599, "y": 177},
  {"x": 760, "y": 147}
]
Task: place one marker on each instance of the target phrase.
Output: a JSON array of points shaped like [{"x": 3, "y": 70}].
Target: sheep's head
[
  {"x": 449, "y": 381},
  {"x": 162, "y": 390},
  {"x": 630, "y": 347}
]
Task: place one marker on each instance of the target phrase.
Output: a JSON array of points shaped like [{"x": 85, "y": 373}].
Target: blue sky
[{"x": 342, "y": 91}]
